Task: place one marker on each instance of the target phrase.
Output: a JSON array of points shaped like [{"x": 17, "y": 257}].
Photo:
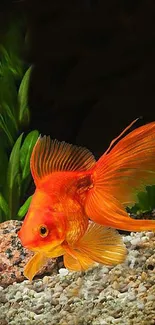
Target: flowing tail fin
[{"x": 119, "y": 175}]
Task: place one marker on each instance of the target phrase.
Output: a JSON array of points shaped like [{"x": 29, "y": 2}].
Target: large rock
[{"x": 13, "y": 256}]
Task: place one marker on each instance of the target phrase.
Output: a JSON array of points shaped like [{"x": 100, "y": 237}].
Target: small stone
[
  {"x": 141, "y": 288},
  {"x": 150, "y": 234},
  {"x": 144, "y": 276},
  {"x": 38, "y": 317},
  {"x": 151, "y": 298},
  {"x": 135, "y": 241},
  {"x": 25, "y": 297},
  {"x": 54, "y": 302},
  {"x": 3, "y": 298},
  {"x": 63, "y": 272},
  {"x": 45, "y": 280},
  {"x": 115, "y": 285},
  {"x": 131, "y": 296},
  {"x": 37, "y": 295},
  {"x": 47, "y": 297},
  {"x": 38, "y": 309},
  {"x": 103, "y": 322},
  {"x": 140, "y": 305},
  {"x": 56, "y": 295},
  {"x": 127, "y": 239},
  {"x": 63, "y": 299},
  {"x": 58, "y": 307},
  {"x": 105, "y": 270},
  {"x": 18, "y": 296},
  {"x": 58, "y": 288}
]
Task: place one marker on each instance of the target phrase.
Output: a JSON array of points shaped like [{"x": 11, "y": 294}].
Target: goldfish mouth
[{"x": 28, "y": 244}]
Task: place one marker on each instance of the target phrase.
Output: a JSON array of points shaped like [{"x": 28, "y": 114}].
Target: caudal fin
[{"x": 119, "y": 175}]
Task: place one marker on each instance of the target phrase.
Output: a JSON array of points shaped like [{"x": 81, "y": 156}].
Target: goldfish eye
[{"x": 43, "y": 231}]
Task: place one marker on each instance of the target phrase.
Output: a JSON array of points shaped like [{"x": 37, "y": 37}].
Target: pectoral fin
[
  {"x": 80, "y": 262},
  {"x": 102, "y": 245},
  {"x": 34, "y": 265},
  {"x": 99, "y": 244}
]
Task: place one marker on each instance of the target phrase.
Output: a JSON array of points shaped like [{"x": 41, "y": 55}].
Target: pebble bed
[{"x": 123, "y": 295}]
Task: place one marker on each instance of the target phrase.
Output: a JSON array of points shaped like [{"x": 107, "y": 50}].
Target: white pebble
[
  {"x": 151, "y": 298},
  {"x": 18, "y": 296},
  {"x": 140, "y": 305},
  {"x": 145, "y": 238},
  {"x": 63, "y": 299},
  {"x": 25, "y": 297},
  {"x": 135, "y": 241},
  {"x": 142, "y": 288},
  {"x": 48, "y": 297},
  {"x": 38, "y": 317},
  {"x": 63, "y": 272},
  {"x": 25, "y": 290},
  {"x": 38, "y": 295},
  {"x": 58, "y": 288},
  {"x": 131, "y": 296},
  {"x": 150, "y": 234},
  {"x": 105, "y": 270},
  {"x": 127, "y": 239},
  {"x": 46, "y": 279}
]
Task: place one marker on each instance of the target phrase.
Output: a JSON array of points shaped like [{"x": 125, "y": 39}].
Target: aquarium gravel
[{"x": 123, "y": 295}]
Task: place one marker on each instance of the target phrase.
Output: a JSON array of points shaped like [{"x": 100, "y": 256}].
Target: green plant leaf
[
  {"x": 151, "y": 196},
  {"x": 13, "y": 42},
  {"x": 3, "y": 167},
  {"x": 4, "y": 127},
  {"x": 8, "y": 91},
  {"x": 23, "y": 209},
  {"x": 4, "y": 206},
  {"x": 143, "y": 201},
  {"x": 25, "y": 154},
  {"x": 14, "y": 179},
  {"x": 24, "y": 114},
  {"x": 146, "y": 201}
]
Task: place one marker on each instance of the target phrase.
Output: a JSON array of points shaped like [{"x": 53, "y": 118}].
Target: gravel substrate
[{"x": 123, "y": 295}]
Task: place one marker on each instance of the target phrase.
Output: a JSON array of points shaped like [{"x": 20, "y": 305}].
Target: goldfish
[{"x": 79, "y": 202}]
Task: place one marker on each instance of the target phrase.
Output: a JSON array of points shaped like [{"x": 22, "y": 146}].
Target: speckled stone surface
[{"x": 13, "y": 256}]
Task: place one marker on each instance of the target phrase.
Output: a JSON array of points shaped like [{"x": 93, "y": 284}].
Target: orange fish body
[
  {"x": 56, "y": 224},
  {"x": 71, "y": 188}
]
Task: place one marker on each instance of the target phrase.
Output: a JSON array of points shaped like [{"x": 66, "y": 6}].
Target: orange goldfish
[{"x": 71, "y": 188}]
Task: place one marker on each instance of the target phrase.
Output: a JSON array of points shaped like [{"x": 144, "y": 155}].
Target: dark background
[{"x": 94, "y": 66}]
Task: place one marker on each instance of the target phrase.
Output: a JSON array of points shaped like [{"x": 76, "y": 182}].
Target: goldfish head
[{"x": 43, "y": 228}]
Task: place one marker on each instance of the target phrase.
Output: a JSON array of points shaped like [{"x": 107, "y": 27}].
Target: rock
[
  {"x": 140, "y": 305},
  {"x": 135, "y": 241},
  {"x": 13, "y": 257},
  {"x": 58, "y": 288},
  {"x": 63, "y": 272},
  {"x": 131, "y": 296},
  {"x": 142, "y": 288},
  {"x": 151, "y": 298}
]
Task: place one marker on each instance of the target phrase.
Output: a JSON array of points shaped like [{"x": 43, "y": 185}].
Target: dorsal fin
[{"x": 51, "y": 156}]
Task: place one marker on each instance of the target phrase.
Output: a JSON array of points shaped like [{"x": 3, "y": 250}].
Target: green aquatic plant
[
  {"x": 14, "y": 110},
  {"x": 16, "y": 178},
  {"x": 15, "y": 146},
  {"x": 145, "y": 202}
]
